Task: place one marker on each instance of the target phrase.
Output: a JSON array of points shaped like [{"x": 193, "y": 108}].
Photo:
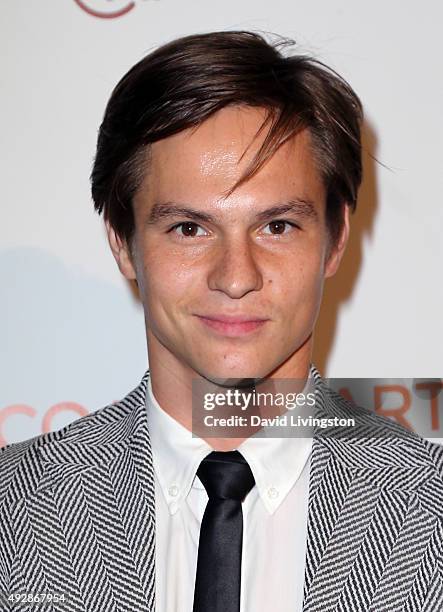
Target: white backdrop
[{"x": 72, "y": 336}]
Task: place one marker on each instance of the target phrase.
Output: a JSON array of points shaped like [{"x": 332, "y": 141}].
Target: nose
[{"x": 235, "y": 269}]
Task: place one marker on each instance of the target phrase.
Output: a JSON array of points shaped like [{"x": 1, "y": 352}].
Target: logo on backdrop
[{"x": 106, "y": 9}]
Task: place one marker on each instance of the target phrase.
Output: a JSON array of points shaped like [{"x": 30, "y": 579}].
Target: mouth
[{"x": 232, "y": 326}]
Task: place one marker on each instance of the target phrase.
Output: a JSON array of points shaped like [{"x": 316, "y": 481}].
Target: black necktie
[{"x": 227, "y": 479}]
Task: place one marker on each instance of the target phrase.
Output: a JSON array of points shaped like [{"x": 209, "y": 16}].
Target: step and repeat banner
[{"x": 71, "y": 331}]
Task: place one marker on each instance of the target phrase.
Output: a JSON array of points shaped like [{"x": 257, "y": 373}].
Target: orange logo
[{"x": 92, "y": 7}]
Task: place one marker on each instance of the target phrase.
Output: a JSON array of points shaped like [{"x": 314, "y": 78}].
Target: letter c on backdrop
[
  {"x": 61, "y": 407},
  {"x": 5, "y": 413}
]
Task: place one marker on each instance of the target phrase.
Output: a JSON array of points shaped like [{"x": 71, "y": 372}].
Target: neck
[{"x": 171, "y": 381}]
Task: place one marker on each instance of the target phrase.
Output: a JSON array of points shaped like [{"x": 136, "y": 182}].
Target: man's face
[{"x": 230, "y": 257}]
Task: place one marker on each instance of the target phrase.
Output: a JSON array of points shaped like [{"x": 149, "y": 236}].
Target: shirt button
[
  {"x": 272, "y": 493},
  {"x": 173, "y": 490}
]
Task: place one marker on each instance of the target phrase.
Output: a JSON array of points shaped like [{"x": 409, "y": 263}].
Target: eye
[
  {"x": 278, "y": 227},
  {"x": 189, "y": 229}
]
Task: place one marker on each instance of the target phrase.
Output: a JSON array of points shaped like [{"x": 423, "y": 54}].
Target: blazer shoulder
[{"x": 21, "y": 457}]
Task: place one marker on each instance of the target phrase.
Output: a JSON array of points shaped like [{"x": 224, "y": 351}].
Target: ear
[
  {"x": 338, "y": 249},
  {"x": 121, "y": 252}
]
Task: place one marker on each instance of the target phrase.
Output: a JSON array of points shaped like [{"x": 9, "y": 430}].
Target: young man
[{"x": 226, "y": 173}]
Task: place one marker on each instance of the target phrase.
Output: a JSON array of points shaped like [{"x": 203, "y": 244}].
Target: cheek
[
  {"x": 300, "y": 304},
  {"x": 300, "y": 281},
  {"x": 166, "y": 280}
]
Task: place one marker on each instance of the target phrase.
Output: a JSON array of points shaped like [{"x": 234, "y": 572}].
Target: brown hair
[{"x": 184, "y": 82}]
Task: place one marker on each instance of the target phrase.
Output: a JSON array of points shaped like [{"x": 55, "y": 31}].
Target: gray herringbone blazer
[{"x": 77, "y": 515}]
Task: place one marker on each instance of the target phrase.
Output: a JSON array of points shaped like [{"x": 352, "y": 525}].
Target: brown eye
[
  {"x": 279, "y": 227},
  {"x": 189, "y": 229}
]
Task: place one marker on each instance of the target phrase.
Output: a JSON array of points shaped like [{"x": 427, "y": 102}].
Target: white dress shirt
[{"x": 274, "y": 516}]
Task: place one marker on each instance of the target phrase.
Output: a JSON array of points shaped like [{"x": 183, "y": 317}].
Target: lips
[
  {"x": 232, "y": 325},
  {"x": 232, "y": 318}
]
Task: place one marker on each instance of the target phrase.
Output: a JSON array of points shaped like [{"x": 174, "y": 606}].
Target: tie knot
[{"x": 226, "y": 475}]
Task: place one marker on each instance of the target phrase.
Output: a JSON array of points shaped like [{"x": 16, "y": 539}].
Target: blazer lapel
[
  {"x": 88, "y": 528},
  {"x": 374, "y": 535}
]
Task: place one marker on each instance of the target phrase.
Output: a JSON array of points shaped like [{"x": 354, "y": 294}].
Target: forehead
[{"x": 206, "y": 161}]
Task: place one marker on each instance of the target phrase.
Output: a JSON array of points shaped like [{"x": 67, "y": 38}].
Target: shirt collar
[
  {"x": 176, "y": 453},
  {"x": 276, "y": 463}
]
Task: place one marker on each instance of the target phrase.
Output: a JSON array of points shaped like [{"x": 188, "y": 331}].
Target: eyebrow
[{"x": 166, "y": 210}]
